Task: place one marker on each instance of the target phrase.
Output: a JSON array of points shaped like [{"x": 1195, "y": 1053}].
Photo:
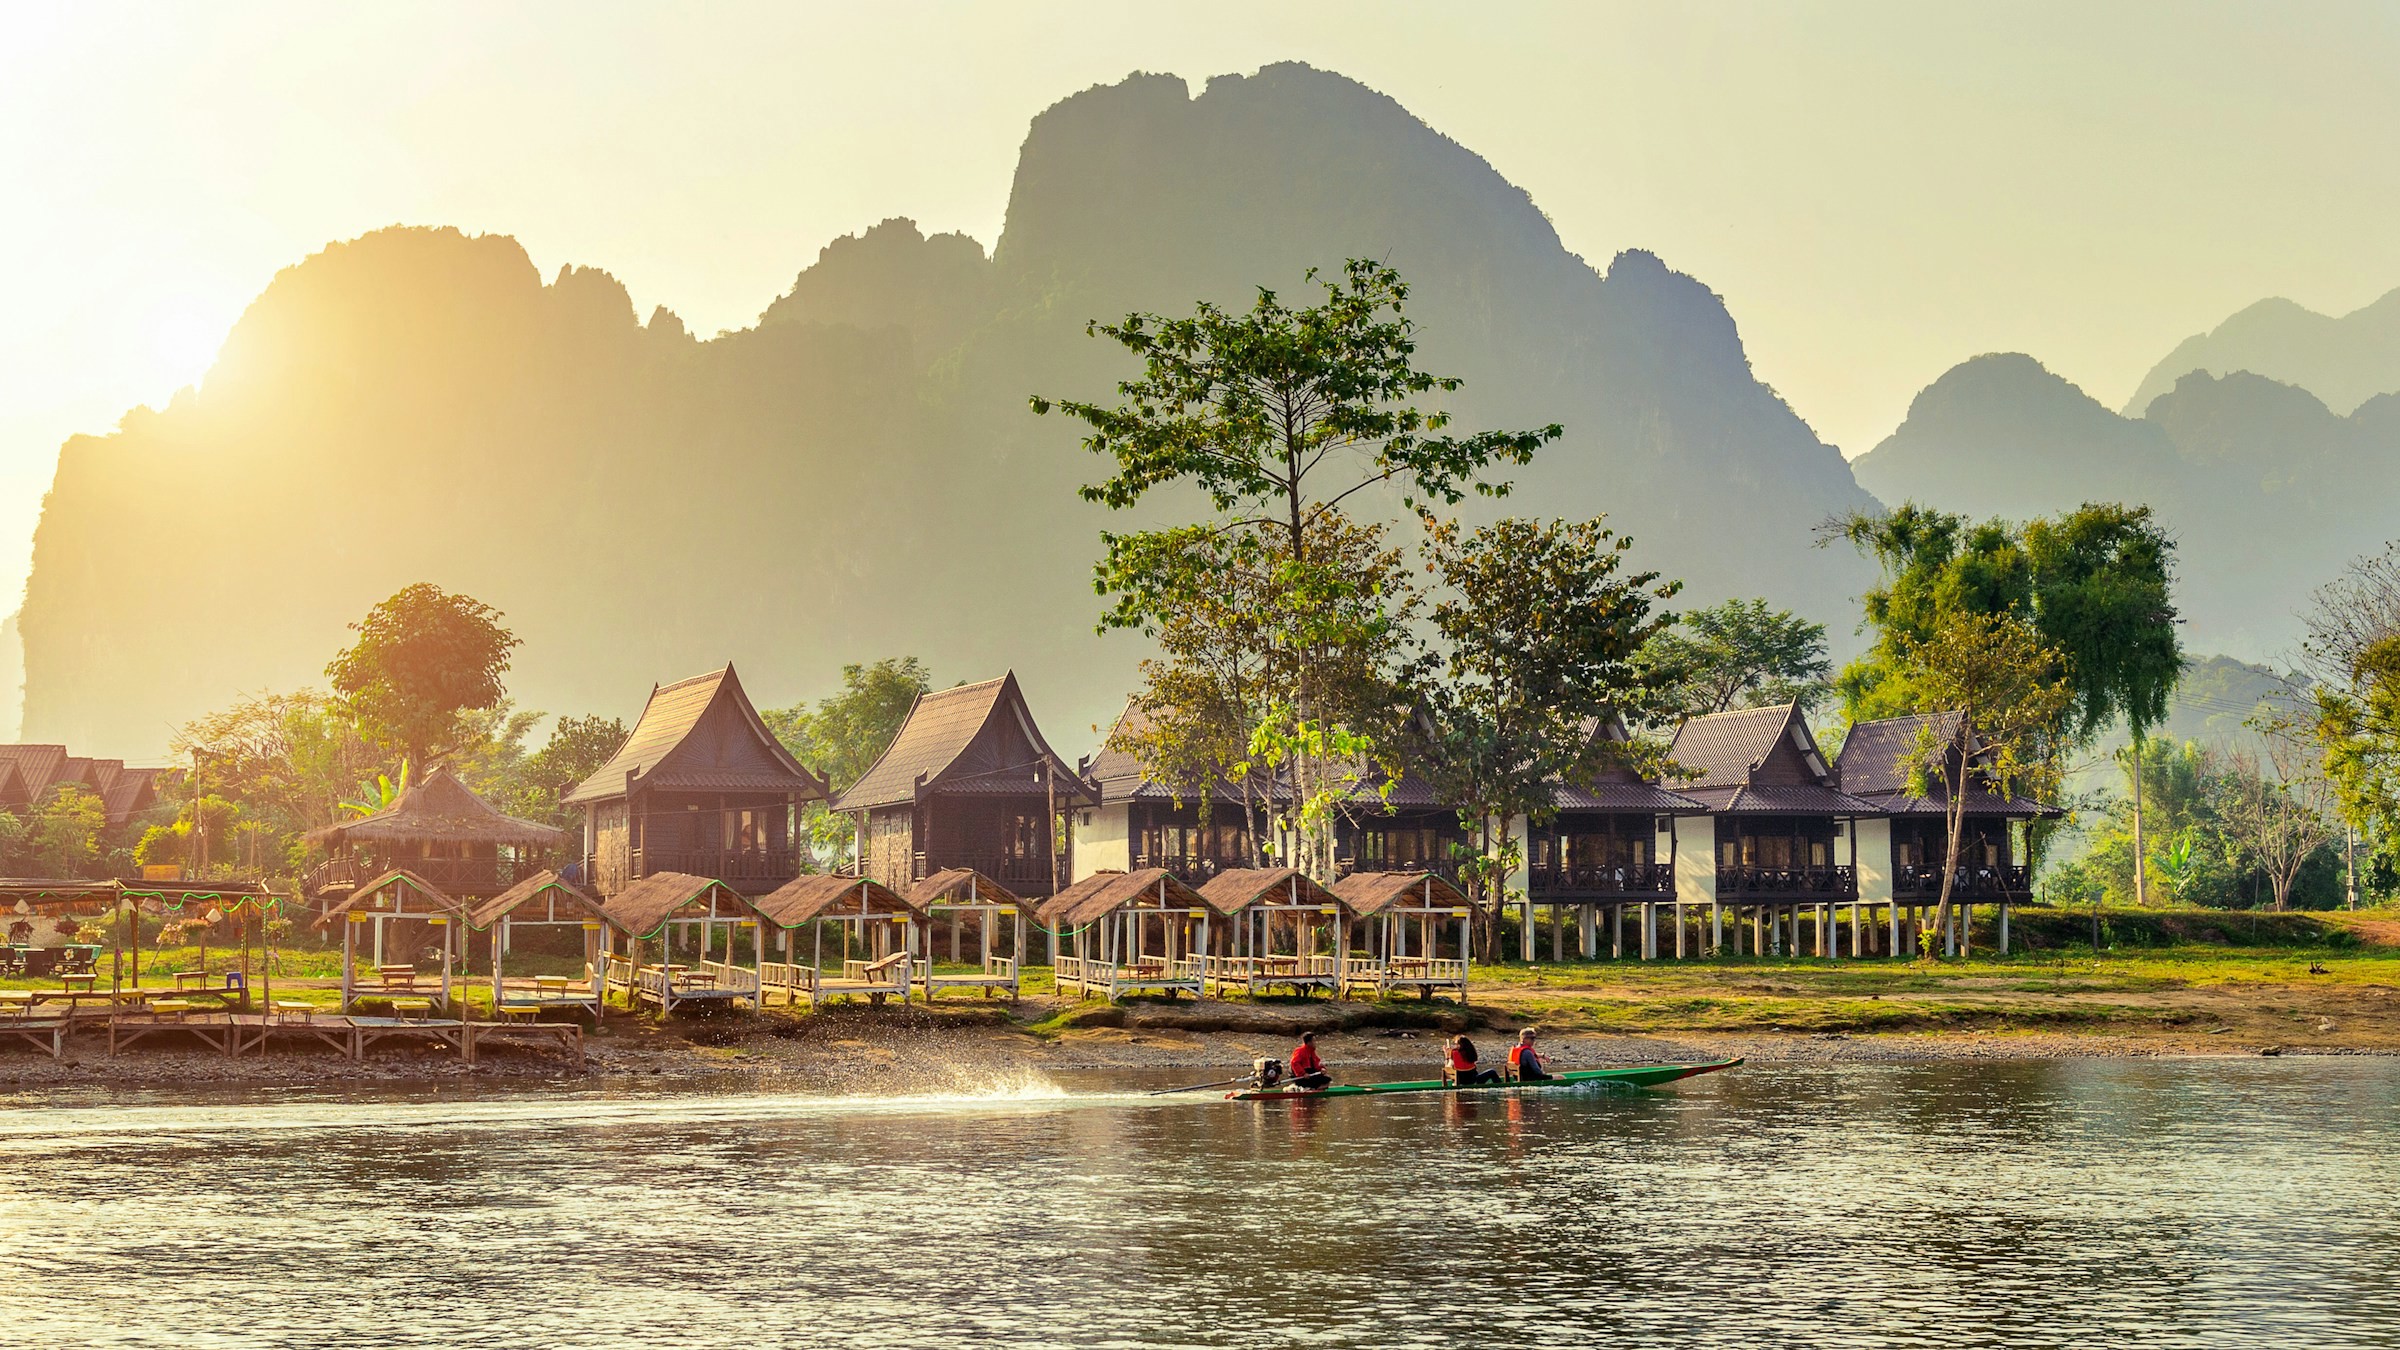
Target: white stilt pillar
[
  {"x": 1716, "y": 929},
  {"x": 2004, "y": 928},
  {"x": 1649, "y": 931},
  {"x": 1616, "y": 930},
  {"x": 1587, "y": 918},
  {"x": 1680, "y": 925}
]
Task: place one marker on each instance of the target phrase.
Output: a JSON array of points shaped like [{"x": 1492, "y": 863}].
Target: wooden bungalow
[
  {"x": 953, "y": 899},
  {"x": 399, "y": 899},
  {"x": 1610, "y": 846},
  {"x": 1905, "y": 849},
  {"x": 1120, "y": 933},
  {"x": 1274, "y": 928},
  {"x": 1406, "y": 917},
  {"x": 875, "y": 925},
  {"x": 701, "y": 919},
  {"x": 967, "y": 782},
  {"x": 1136, "y": 821},
  {"x": 1780, "y": 841},
  {"x": 28, "y": 773},
  {"x": 439, "y": 831},
  {"x": 1398, "y": 825},
  {"x": 544, "y": 900},
  {"x": 700, "y": 788}
]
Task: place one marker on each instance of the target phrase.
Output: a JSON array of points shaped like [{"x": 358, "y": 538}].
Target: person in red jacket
[
  {"x": 1308, "y": 1071},
  {"x": 1525, "y": 1060}
]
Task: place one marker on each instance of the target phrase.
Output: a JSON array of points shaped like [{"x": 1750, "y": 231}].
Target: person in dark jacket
[{"x": 1525, "y": 1060}]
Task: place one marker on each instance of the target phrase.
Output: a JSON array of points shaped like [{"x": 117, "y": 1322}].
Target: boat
[{"x": 1636, "y": 1075}]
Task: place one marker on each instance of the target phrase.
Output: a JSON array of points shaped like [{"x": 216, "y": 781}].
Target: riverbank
[{"x": 2177, "y": 1002}]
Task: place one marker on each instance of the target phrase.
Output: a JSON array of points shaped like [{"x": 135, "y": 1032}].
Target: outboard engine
[{"x": 1265, "y": 1072}]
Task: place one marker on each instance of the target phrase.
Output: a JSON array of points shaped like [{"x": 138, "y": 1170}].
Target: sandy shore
[{"x": 909, "y": 1048}]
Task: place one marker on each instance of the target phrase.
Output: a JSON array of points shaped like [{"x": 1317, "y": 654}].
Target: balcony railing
[
  {"x": 1594, "y": 879},
  {"x": 730, "y": 865},
  {"x": 1190, "y": 869},
  {"x": 457, "y": 876},
  {"x": 1027, "y": 876},
  {"x": 1826, "y": 883},
  {"x": 1973, "y": 883}
]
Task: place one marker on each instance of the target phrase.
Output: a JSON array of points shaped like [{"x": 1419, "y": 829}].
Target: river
[{"x": 2162, "y": 1203}]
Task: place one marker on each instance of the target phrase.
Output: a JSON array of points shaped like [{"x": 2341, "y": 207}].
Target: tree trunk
[
  {"x": 2141, "y": 853},
  {"x": 1957, "y": 813}
]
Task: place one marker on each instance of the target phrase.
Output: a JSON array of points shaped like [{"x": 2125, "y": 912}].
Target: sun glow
[{"x": 184, "y": 342}]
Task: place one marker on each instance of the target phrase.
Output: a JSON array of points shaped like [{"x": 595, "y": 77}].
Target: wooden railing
[
  {"x": 1549, "y": 879},
  {"x": 1028, "y": 877},
  {"x": 730, "y": 865},
  {"x": 457, "y": 876},
  {"x": 1973, "y": 883},
  {"x": 1834, "y": 883}
]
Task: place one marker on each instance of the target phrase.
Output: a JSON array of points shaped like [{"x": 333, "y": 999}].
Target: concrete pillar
[
  {"x": 1616, "y": 930},
  {"x": 2004, "y": 928},
  {"x": 1649, "y": 931},
  {"x": 1558, "y": 934},
  {"x": 1587, "y": 918},
  {"x": 1894, "y": 916},
  {"x": 1527, "y": 929},
  {"x": 1716, "y": 929},
  {"x": 1966, "y": 931},
  {"x": 1679, "y": 930}
]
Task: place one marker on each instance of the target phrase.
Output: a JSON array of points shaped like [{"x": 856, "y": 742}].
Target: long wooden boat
[{"x": 1638, "y": 1075}]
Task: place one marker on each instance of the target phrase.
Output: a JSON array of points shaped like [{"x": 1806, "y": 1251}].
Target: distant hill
[
  {"x": 857, "y": 475},
  {"x": 2343, "y": 361},
  {"x": 2268, "y": 492}
]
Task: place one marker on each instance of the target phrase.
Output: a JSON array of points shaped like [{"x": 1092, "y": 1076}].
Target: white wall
[
  {"x": 1874, "y": 861},
  {"x": 1103, "y": 841},
  {"x": 1696, "y": 859}
]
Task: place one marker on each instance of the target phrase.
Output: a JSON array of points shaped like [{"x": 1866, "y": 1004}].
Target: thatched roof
[
  {"x": 801, "y": 899},
  {"x": 544, "y": 885},
  {"x": 442, "y": 810},
  {"x": 436, "y": 900},
  {"x": 644, "y": 907},
  {"x": 699, "y": 735},
  {"x": 1237, "y": 890},
  {"x": 1374, "y": 892},
  {"x": 76, "y": 895},
  {"x": 960, "y": 885},
  {"x": 1101, "y": 892}
]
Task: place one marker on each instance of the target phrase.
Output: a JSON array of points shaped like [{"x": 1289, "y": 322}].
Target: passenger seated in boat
[
  {"x": 1462, "y": 1069},
  {"x": 1308, "y": 1071},
  {"x": 1525, "y": 1060}
]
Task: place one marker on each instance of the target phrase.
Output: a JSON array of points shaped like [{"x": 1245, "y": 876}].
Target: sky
[{"x": 1878, "y": 191}]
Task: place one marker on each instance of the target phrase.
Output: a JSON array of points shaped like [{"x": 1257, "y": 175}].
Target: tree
[
  {"x": 1539, "y": 643},
  {"x": 577, "y": 747},
  {"x": 2353, "y": 650},
  {"x": 1279, "y": 416},
  {"x": 2103, "y": 598},
  {"x": 1933, "y": 564},
  {"x": 843, "y": 736},
  {"x": 1739, "y": 654},
  {"x": 422, "y": 658},
  {"x": 1994, "y": 670},
  {"x": 62, "y": 834},
  {"x": 2281, "y": 810}
]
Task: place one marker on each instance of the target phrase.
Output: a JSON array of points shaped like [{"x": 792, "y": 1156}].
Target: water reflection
[{"x": 2022, "y": 1204}]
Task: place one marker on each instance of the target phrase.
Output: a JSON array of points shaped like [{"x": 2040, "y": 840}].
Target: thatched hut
[
  {"x": 953, "y": 899},
  {"x": 439, "y": 830},
  {"x": 1119, "y": 933},
  {"x": 1406, "y": 915},
  {"x": 874, "y": 924},
  {"x": 398, "y": 898},
  {"x": 699, "y": 918},
  {"x": 1276, "y": 928},
  {"x": 544, "y": 900}
]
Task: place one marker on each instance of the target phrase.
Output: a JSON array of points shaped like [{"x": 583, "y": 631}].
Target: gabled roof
[
  {"x": 37, "y": 765},
  {"x": 440, "y": 809},
  {"x": 960, "y": 885},
  {"x": 1231, "y": 892},
  {"x": 128, "y": 793},
  {"x": 1877, "y": 758},
  {"x": 1634, "y": 798},
  {"x": 546, "y": 886},
  {"x": 1102, "y": 892},
  {"x": 1120, "y": 777},
  {"x": 1758, "y": 761},
  {"x": 700, "y": 735},
  {"x": 399, "y": 880},
  {"x": 644, "y": 907},
  {"x": 977, "y": 738},
  {"x": 801, "y": 899},
  {"x": 1374, "y": 892}
]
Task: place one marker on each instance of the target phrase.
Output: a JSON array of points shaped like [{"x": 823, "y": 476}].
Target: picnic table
[{"x": 77, "y": 981}]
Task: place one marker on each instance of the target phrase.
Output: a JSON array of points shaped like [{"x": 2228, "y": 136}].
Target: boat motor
[{"x": 1265, "y": 1072}]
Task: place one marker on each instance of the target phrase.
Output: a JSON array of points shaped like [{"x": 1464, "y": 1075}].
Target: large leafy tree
[
  {"x": 844, "y": 733},
  {"x": 2104, "y": 600},
  {"x": 423, "y": 658},
  {"x": 577, "y": 747},
  {"x": 1539, "y": 627},
  {"x": 1739, "y": 654},
  {"x": 1279, "y": 417},
  {"x": 2353, "y": 650}
]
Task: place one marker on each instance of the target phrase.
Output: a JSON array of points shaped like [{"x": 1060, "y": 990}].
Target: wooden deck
[
  {"x": 1426, "y": 975},
  {"x": 1111, "y": 980},
  {"x": 874, "y": 981},
  {"x": 234, "y": 1034},
  {"x": 997, "y": 974},
  {"x": 1254, "y": 975}
]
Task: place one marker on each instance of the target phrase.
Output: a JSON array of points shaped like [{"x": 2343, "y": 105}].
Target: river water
[{"x": 2101, "y": 1202}]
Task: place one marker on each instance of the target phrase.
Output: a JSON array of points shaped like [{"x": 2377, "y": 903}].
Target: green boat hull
[{"x": 1638, "y": 1075}]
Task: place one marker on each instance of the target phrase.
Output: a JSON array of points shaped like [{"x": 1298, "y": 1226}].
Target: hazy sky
[{"x": 1878, "y": 191}]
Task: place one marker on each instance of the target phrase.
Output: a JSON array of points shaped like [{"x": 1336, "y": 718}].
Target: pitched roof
[
  {"x": 1102, "y": 892},
  {"x": 1119, "y": 776},
  {"x": 644, "y": 907},
  {"x": 436, "y": 900},
  {"x": 129, "y": 792},
  {"x": 801, "y": 899},
  {"x": 699, "y": 735},
  {"x": 1374, "y": 892},
  {"x": 36, "y": 765},
  {"x": 1725, "y": 749},
  {"x": 1877, "y": 758},
  {"x": 1633, "y": 798},
  {"x": 440, "y": 809},
  {"x": 954, "y": 885},
  {"x": 1233, "y": 891},
  {"x": 1781, "y": 799},
  {"x": 544, "y": 885},
  {"x": 973, "y": 738}
]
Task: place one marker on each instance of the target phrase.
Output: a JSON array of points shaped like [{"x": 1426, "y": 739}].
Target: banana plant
[{"x": 378, "y": 794}]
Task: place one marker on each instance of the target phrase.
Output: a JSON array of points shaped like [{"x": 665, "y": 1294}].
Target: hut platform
[
  {"x": 1112, "y": 980},
  {"x": 672, "y": 987},
  {"x": 1426, "y": 975},
  {"x": 997, "y": 973},
  {"x": 874, "y": 980},
  {"x": 129, "y": 1025},
  {"x": 42, "y": 1033},
  {"x": 253, "y": 1033},
  {"x": 1254, "y": 975},
  {"x": 365, "y": 1032}
]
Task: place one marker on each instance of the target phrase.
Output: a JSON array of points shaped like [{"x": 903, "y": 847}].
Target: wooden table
[
  {"x": 77, "y": 983},
  {"x": 397, "y": 977},
  {"x": 191, "y": 979}
]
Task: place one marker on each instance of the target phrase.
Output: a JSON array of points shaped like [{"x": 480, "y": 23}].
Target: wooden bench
[
  {"x": 416, "y": 1009},
  {"x": 166, "y": 1009},
  {"x": 285, "y": 1007}
]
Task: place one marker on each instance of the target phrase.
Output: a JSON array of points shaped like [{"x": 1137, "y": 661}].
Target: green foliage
[
  {"x": 61, "y": 835},
  {"x": 163, "y": 846},
  {"x": 845, "y": 733},
  {"x": 577, "y": 747},
  {"x": 379, "y": 793},
  {"x": 422, "y": 658},
  {"x": 2203, "y": 848},
  {"x": 1538, "y": 645},
  {"x": 2103, "y": 578},
  {"x": 1738, "y": 654},
  {"x": 2353, "y": 648}
]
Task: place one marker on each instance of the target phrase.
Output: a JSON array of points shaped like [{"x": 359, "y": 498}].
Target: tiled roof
[
  {"x": 1876, "y": 755},
  {"x": 667, "y": 750},
  {"x": 1374, "y": 892},
  {"x": 1781, "y": 799},
  {"x": 1721, "y": 749},
  {"x": 945, "y": 739},
  {"x": 1233, "y": 891},
  {"x": 37, "y": 765},
  {"x": 1120, "y": 777},
  {"x": 1979, "y": 803},
  {"x": 1628, "y": 798}
]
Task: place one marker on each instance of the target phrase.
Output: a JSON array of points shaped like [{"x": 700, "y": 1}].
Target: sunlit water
[{"x": 2088, "y": 1203}]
